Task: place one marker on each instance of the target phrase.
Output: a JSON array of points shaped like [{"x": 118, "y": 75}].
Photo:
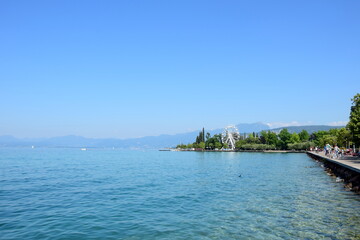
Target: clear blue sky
[{"x": 135, "y": 68}]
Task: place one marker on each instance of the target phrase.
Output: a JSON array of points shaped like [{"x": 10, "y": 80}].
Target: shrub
[
  {"x": 301, "y": 146},
  {"x": 257, "y": 147}
]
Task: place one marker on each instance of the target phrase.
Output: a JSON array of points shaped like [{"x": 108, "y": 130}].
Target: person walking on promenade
[
  {"x": 328, "y": 150},
  {"x": 325, "y": 150},
  {"x": 336, "y": 151},
  {"x": 341, "y": 153}
]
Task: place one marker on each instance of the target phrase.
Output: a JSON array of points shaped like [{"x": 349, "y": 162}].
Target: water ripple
[{"x": 100, "y": 194}]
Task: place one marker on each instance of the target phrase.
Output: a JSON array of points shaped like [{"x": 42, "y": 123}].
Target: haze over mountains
[{"x": 150, "y": 142}]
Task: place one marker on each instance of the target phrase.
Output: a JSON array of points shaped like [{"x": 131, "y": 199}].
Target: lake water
[{"x": 113, "y": 194}]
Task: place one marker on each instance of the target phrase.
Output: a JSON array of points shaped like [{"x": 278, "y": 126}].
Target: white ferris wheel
[{"x": 230, "y": 135}]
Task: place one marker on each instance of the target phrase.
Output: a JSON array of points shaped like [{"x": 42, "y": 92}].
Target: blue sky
[{"x": 136, "y": 68}]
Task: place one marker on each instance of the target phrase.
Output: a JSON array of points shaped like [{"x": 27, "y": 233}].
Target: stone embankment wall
[{"x": 351, "y": 178}]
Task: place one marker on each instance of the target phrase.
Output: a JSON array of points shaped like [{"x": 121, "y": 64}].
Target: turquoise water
[{"x": 113, "y": 194}]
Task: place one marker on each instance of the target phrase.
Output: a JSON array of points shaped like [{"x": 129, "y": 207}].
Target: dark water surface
[{"x": 113, "y": 194}]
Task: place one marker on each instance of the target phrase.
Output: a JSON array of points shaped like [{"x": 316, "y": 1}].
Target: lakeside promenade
[
  {"x": 349, "y": 162},
  {"x": 346, "y": 167}
]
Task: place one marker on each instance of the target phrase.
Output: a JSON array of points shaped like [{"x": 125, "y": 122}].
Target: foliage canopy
[{"x": 354, "y": 120}]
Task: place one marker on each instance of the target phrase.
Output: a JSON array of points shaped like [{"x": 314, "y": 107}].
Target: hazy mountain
[
  {"x": 143, "y": 142},
  {"x": 68, "y": 141},
  {"x": 310, "y": 128},
  {"x": 8, "y": 139},
  {"x": 252, "y": 127}
]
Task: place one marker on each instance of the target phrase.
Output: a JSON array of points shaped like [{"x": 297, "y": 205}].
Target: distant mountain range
[
  {"x": 310, "y": 128},
  {"x": 150, "y": 142}
]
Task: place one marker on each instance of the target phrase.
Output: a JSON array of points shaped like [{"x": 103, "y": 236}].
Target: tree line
[
  {"x": 346, "y": 137},
  {"x": 268, "y": 140},
  {"x": 205, "y": 142}
]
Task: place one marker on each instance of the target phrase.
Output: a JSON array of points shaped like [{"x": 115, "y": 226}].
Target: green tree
[
  {"x": 252, "y": 139},
  {"x": 201, "y": 145},
  {"x": 354, "y": 120},
  {"x": 218, "y": 145},
  {"x": 333, "y": 132},
  {"x": 264, "y": 137},
  {"x": 301, "y": 146},
  {"x": 272, "y": 138},
  {"x": 213, "y": 142},
  {"x": 343, "y": 137},
  {"x": 317, "y": 138},
  {"x": 182, "y": 146},
  {"x": 294, "y": 138},
  {"x": 269, "y": 138},
  {"x": 218, "y": 138},
  {"x": 304, "y": 136},
  {"x": 208, "y": 136},
  {"x": 201, "y": 137},
  {"x": 239, "y": 143},
  {"x": 328, "y": 139},
  {"x": 285, "y": 137}
]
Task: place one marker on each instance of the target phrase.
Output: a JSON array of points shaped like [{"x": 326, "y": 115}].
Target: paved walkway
[{"x": 350, "y": 162}]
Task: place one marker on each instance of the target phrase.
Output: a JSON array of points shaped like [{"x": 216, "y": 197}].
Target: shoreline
[
  {"x": 260, "y": 151},
  {"x": 346, "y": 169}
]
